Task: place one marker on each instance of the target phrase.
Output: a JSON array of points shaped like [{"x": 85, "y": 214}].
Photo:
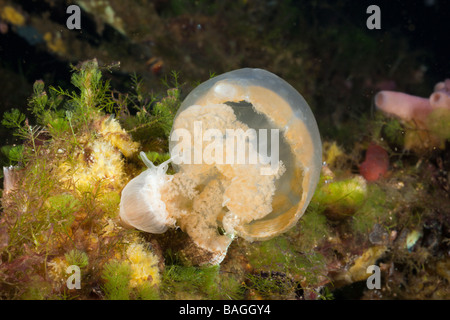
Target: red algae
[{"x": 376, "y": 163}]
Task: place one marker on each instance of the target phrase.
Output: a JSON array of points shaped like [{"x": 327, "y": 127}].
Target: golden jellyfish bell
[
  {"x": 261, "y": 100},
  {"x": 247, "y": 153}
]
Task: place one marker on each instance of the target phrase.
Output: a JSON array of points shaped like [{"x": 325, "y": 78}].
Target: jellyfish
[{"x": 247, "y": 156}]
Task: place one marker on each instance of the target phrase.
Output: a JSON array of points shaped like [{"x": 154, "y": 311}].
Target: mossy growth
[
  {"x": 313, "y": 227},
  {"x": 117, "y": 276},
  {"x": 438, "y": 121},
  {"x": 109, "y": 202},
  {"x": 190, "y": 280},
  {"x": 180, "y": 281},
  {"x": 280, "y": 268},
  {"x": 77, "y": 258},
  {"x": 394, "y": 133},
  {"x": 38, "y": 290},
  {"x": 375, "y": 209},
  {"x": 135, "y": 276},
  {"x": 341, "y": 198},
  {"x": 332, "y": 152}
]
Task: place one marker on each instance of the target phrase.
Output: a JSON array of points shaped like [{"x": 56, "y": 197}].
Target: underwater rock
[
  {"x": 427, "y": 116},
  {"x": 376, "y": 163},
  {"x": 226, "y": 184},
  {"x": 378, "y": 235}
]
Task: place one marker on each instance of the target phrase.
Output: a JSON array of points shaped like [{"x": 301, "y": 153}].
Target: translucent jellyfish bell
[
  {"x": 247, "y": 154},
  {"x": 251, "y": 99}
]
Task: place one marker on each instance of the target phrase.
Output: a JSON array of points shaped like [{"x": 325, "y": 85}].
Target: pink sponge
[
  {"x": 426, "y": 119},
  {"x": 408, "y": 107},
  {"x": 403, "y": 106}
]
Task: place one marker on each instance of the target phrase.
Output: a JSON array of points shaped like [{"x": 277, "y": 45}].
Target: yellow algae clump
[
  {"x": 55, "y": 44},
  {"x": 247, "y": 154},
  {"x": 111, "y": 131},
  {"x": 144, "y": 265},
  {"x": 57, "y": 270},
  {"x": 12, "y": 16},
  {"x": 331, "y": 152},
  {"x": 98, "y": 162},
  {"x": 358, "y": 271}
]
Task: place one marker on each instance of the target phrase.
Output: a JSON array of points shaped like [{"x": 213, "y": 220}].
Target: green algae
[
  {"x": 375, "y": 209},
  {"x": 77, "y": 258},
  {"x": 116, "y": 276},
  {"x": 341, "y": 198},
  {"x": 314, "y": 227},
  {"x": 438, "y": 121},
  {"x": 205, "y": 282},
  {"x": 281, "y": 268}
]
